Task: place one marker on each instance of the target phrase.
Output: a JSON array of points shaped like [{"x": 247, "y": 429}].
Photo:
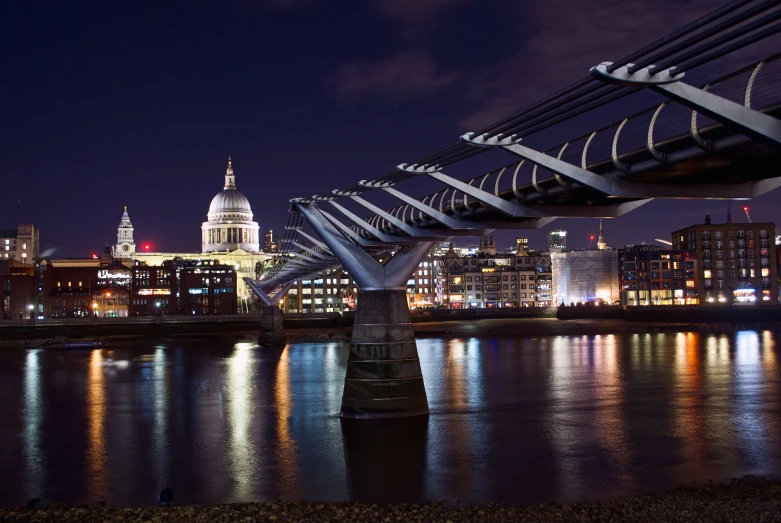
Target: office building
[
  {"x": 735, "y": 262},
  {"x": 21, "y": 244},
  {"x": 557, "y": 240},
  {"x": 650, "y": 275}
]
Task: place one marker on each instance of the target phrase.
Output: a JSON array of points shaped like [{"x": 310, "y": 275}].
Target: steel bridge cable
[
  {"x": 675, "y": 35},
  {"x": 770, "y": 31},
  {"x": 686, "y": 45},
  {"x": 695, "y": 61},
  {"x": 541, "y": 112},
  {"x": 612, "y": 96},
  {"x": 543, "y": 121},
  {"x": 491, "y": 129}
]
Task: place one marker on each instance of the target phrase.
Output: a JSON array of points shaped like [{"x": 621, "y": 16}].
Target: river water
[{"x": 521, "y": 421}]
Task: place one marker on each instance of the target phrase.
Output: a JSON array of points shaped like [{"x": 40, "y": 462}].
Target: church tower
[
  {"x": 125, "y": 243},
  {"x": 601, "y": 245}
]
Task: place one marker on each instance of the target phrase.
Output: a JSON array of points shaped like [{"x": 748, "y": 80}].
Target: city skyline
[{"x": 143, "y": 110}]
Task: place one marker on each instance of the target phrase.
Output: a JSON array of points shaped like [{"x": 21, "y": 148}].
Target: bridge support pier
[
  {"x": 383, "y": 370},
  {"x": 383, "y": 377},
  {"x": 272, "y": 333}
]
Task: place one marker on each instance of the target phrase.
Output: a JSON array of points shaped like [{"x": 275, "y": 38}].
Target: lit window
[
  {"x": 706, "y": 274},
  {"x": 24, "y": 255},
  {"x": 765, "y": 272}
]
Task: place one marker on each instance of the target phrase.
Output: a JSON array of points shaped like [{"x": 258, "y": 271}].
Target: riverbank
[
  {"x": 748, "y": 499},
  {"x": 513, "y": 328}
]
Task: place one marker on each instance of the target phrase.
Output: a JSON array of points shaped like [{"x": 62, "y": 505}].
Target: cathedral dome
[
  {"x": 229, "y": 226},
  {"x": 229, "y": 200}
]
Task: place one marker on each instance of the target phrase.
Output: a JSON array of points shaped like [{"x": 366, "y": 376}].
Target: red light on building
[
  {"x": 94, "y": 256},
  {"x": 147, "y": 246},
  {"x": 591, "y": 237}
]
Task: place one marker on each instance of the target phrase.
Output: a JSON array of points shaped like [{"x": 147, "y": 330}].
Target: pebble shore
[{"x": 749, "y": 499}]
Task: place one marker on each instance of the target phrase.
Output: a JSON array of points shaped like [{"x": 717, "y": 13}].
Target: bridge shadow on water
[{"x": 386, "y": 459}]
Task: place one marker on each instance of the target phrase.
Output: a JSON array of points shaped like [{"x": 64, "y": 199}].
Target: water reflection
[
  {"x": 162, "y": 449},
  {"x": 521, "y": 421},
  {"x": 32, "y": 416},
  {"x": 610, "y": 418},
  {"x": 286, "y": 445},
  {"x": 386, "y": 459},
  {"x": 749, "y": 415},
  {"x": 243, "y": 458},
  {"x": 96, "y": 431}
]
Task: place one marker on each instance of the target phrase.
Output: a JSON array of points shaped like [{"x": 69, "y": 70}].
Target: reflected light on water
[
  {"x": 286, "y": 445},
  {"x": 160, "y": 436},
  {"x": 32, "y": 416},
  {"x": 688, "y": 422},
  {"x": 610, "y": 419},
  {"x": 242, "y": 455},
  {"x": 96, "y": 431},
  {"x": 749, "y": 415},
  {"x": 560, "y": 422}
]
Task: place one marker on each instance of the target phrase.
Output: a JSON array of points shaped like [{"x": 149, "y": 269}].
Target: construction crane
[
  {"x": 745, "y": 209},
  {"x": 664, "y": 242}
]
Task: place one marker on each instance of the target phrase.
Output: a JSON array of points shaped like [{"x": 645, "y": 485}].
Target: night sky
[{"x": 140, "y": 103}]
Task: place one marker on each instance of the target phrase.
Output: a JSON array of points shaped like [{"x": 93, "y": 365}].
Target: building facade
[
  {"x": 334, "y": 292},
  {"x": 79, "y": 288},
  {"x": 487, "y": 280},
  {"x": 17, "y": 283},
  {"x": 21, "y": 244},
  {"x": 585, "y": 276},
  {"x": 649, "y": 275},
  {"x": 557, "y": 240},
  {"x": 230, "y": 226},
  {"x": 735, "y": 262}
]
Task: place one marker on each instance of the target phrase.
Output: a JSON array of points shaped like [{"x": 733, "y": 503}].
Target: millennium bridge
[{"x": 714, "y": 140}]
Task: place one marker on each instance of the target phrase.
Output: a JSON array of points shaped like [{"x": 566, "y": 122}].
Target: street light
[{"x": 30, "y": 308}]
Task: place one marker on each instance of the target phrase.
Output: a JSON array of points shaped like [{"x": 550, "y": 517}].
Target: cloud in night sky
[{"x": 406, "y": 74}]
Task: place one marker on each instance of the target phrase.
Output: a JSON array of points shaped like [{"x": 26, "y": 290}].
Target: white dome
[
  {"x": 229, "y": 200},
  {"x": 229, "y": 226}
]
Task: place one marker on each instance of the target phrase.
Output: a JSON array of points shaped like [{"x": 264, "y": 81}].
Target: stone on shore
[{"x": 750, "y": 499}]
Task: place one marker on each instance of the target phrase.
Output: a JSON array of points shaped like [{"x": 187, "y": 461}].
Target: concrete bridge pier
[
  {"x": 383, "y": 377},
  {"x": 272, "y": 332}
]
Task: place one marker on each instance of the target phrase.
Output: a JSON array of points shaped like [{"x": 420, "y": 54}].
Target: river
[{"x": 520, "y": 421}]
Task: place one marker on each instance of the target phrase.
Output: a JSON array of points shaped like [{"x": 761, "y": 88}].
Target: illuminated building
[
  {"x": 245, "y": 264},
  {"x": 183, "y": 287},
  {"x": 78, "y": 287},
  {"x": 230, "y": 226},
  {"x": 17, "y": 284},
  {"x": 334, "y": 292},
  {"x": 585, "y": 276},
  {"x": 270, "y": 246},
  {"x": 229, "y": 237},
  {"x": 521, "y": 279},
  {"x": 21, "y": 244},
  {"x": 557, "y": 240},
  {"x": 125, "y": 246},
  {"x": 735, "y": 262},
  {"x": 650, "y": 275}
]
